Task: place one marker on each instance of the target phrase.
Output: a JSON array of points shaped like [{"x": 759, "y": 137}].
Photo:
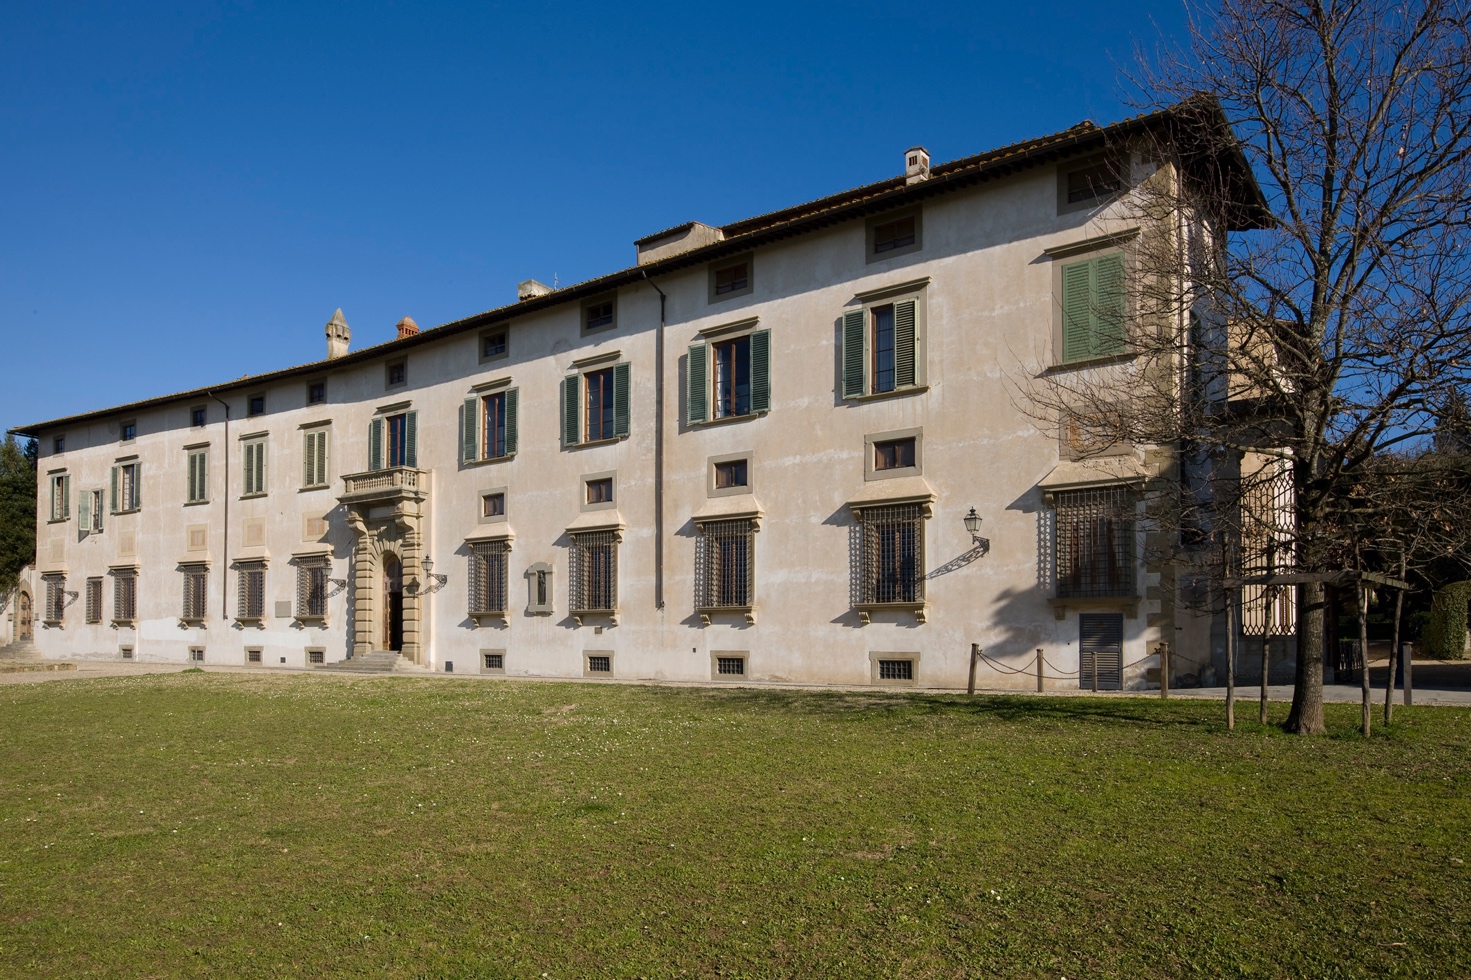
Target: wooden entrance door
[
  {"x": 393, "y": 603},
  {"x": 24, "y": 618}
]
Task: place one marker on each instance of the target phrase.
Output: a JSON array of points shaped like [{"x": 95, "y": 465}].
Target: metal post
[
  {"x": 1039, "y": 671},
  {"x": 1095, "y": 671},
  {"x": 1409, "y": 651},
  {"x": 975, "y": 654},
  {"x": 1230, "y": 665},
  {"x": 1164, "y": 669}
]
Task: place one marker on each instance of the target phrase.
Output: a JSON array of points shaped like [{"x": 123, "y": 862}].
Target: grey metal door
[{"x": 1101, "y": 649}]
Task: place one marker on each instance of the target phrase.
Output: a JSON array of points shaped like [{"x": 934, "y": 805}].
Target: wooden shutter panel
[
  {"x": 1108, "y": 305},
  {"x": 411, "y": 439},
  {"x": 137, "y": 500},
  {"x": 1077, "y": 312},
  {"x": 571, "y": 409},
  {"x": 513, "y": 412},
  {"x": 322, "y": 456},
  {"x": 193, "y": 490},
  {"x": 114, "y": 490},
  {"x": 620, "y": 399},
  {"x": 66, "y": 497},
  {"x": 252, "y": 480},
  {"x": 260, "y": 467},
  {"x": 855, "y": 354},
  {"x": 469, "y": 429},
  {"x": 697, "y": 399},
  {"x": 202, "y": 480},
  {"x": 84, "y": 511},
  {"x": 309, "y": 460},
  {"x": 375, "y": 444},
  {"x": 761, "y": 371},
  {"x": 904, "y": 343}
]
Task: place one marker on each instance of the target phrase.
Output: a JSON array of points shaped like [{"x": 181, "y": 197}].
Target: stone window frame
[
  {"x": 201, "y": 487},
  {"x": 58, "y": 489},
  {"x": 124, "y": 428},
  {"x": 195, "y": 608},
  {"x": 502, "y": 517},
  {"x": 608, "y": 674},
  {"x": 196, "y": 421},
  {"x": 915, "y": 211},
  {"x": 712, "y": 491},
  {"x": 504, "y": 329},
  {"x": 749, "y": 260},
  {"x": 591, "y": 301},
  {"x": 250, "y": 409},
  {"x": 610, "y": 504},
  {"x": 1065, "y": 170},
  {"x": 93, "y": 604},
  {"x": 1084, "y": 250},
  {"x": 875, "y": 656},
  {"x": 243, "y": 571},
  {"x": 313, "y": 384},
  {"x": 717, "y": 655},
  {"x": 865, "y": 302},
  {"x": 401, "y": 363},
  {"x": 870, "y": 463},
  {"x": 120, "y": 598},
  {"x": 485, "y": 656},
  {"x": 533, "y": 607}
]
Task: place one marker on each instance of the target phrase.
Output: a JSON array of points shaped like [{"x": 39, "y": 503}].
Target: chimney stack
[
  {"x": 338, "y": 336},
  {"x": 531, "y": 289},
  {"x": 916, "y": 164},
  {"x": 407, "y": 328}
]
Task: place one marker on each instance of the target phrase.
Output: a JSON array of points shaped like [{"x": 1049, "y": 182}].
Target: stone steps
[
  {"x": 374, "y": 662},
  {"x": 20, "y": 651}
]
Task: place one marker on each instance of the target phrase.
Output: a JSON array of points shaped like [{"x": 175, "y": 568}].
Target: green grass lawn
[{"x": 242, "y": 825}]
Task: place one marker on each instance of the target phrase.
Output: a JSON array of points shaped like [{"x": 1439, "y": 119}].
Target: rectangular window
[
  {"x": 58, "y": 445},
  {"x": 894, "y": 454},
  {"x": 252, "y": 656},
  {"x": 398, "y": 439},
  {"x": 197, "y": 489},
  {"x": 599, "y": 404},
  {"x": 890, "y": 236},
  {"x": 256, "y": 405},
  {"x": 196, "y": 592},
  {"x": 311, "y": 587},
  {"x": 597, "y": 315},
  {"x": 883, "y": 349},
  {"x": 60, "y": 496},
  {"x": 1094, "y": 542},
  {"x": 494, "y": 661},
  {"x": 896, "y": 670},
  {"x": 124, "y": 595},
  {"x": 729, "y": 378},
  {"x": 599, "y": 664},
  {"x": 401, "y": 445},
  {"x": 125, "y": 480},
  {"x": 600, "y": 491},
  {"x": 316, "y": 393},
  {"x": 594, "y": 572},
  {"x": 55, "y": 597},
  {"x": 730, "y": 280},
  {"x": 125, "y": 652},
  {"x": 398, "y": 373},
  {"x": 198, "y": 416},
  {"x": 488, "y": 577},
  {"x": 314, "y": 458},
  {"x": 1093, "y": 183},
  {"x": 891, "y": 554},
  {"x": 731, "y": 474},
  {"x": 725, "y": 570},
  {"x": 1093, "y": 308},
  {"x": 316, "y": 656},
  {"x": 733, "y": 378},
  {"x": 493, "y": 344},
  {"x": 196, "y": 655},
  {"x": 252, "y": 590},
  {"x": 730, "y": 665},
  {"x": 253, "y": 467},
  {"x": 94, "y": 600},
  {"x": 493, "y": 505},
  {"x": 91, "y": 516},
  {"x": 130, "y": 431},
  {"x": 495, "y": 426}
]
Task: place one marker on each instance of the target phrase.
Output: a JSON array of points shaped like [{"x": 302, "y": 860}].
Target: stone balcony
[{"x": 387, "y": 486}]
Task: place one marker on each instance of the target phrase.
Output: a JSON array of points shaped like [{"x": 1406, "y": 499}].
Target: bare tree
[{"x": 1313, "y": 341}]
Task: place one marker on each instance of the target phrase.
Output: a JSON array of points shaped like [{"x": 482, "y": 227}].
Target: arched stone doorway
[
  {"x": 393, "y": 603},
  {"x": 24, "y": 618}
]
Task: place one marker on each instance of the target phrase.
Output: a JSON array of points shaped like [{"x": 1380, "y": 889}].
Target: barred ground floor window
[
  {"x": 1094, "y": 543},
  {"x": 124, "y": 595},
  {"x": 725, "y": 566},
  {"x": 196, "y": 592},
  {"x": 311, "y": 586},
  {"x": 594, "y": 572},
  {"x": 94, "y": 600},
  {"x": 251, "y": 601},
  {"x": 55, "y": 597},
  {"x": 891, "y": 565},
  {"x": 488, "y": 560}
]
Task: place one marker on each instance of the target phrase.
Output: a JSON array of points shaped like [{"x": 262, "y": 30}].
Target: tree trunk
[
  {"x": 1266, "y": 639},
  {"x": 1363, "y": 597},
  {"x": 1230, "y": 666},
  {"x": 1306, "y": 716},
  {"x": 1394, "y": 651}
]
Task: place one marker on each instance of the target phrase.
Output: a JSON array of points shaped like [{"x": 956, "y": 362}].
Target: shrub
[{"x": 1444, "y": 637}]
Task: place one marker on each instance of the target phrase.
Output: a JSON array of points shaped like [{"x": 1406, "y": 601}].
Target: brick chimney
[
  {"x": 407, "y": 328},
  {"x": 338, "y": 336}
]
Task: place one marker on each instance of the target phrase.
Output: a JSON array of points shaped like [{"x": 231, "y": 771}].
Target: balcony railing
[{"x": 386, "y": 482}]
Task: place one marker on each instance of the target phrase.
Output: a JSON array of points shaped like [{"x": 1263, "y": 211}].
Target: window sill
[
  {"x": 195, "y": 503},
  {"x": 595, "y": 442},
  {"x": 130, "y": 510},
  {"x": 875, "y": 396},
  {"x": 1101, "y": 360},
  {"x": 724, "y": 419},
  {"x": 59, "y": 520},
  {"x": 501, "y": 615},
  {"x": 866, "y": 610},
  {"x": 117, "y": 623},
  {"x": 578, "y": 615},
  {"x": 311, "y": 620},
  {"x": 253, "y": 496},
  {"x": 491, "y": 460},
  {"x": 706, "y": 612},
  {"x": 51, "y": 624},
  {"x": 186, "y": 621},
  {"x": 257, "y": 621},
  {"x": 314, "y": 487},
  {"x": 1129, "y": 604}
]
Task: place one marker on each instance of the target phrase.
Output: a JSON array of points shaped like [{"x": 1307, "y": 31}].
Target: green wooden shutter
[
  {"x": 375, "y": 444},
  {"x": 84, "y": 510},
  {"x": 469, "y": 420},
  {"x": 513, "y": 412},
  {"x": 696, "y": 398},
  {"x": 1077, "y": 311},
  {"x": 260, "y": 467},
  {"x": 761, "y": 371},
  {"x": 322, "y": 457},
  {"x": 249, "y": 478},
  {"x": 193, "y": 489},
  {"x": 571, "y": 409},
  {"x": 137, "y": 500},
  {"x": 620, "y": 400},
  {"x": 411, "y": 439},
  {"x": 66, "y": 497},
  {"x": 1108, "y": 305},
  {"x": 201, "y": 480},
  {"x": 114, "y": 500},
  {"x": 309, "y": 460},
  {"x": 855, "y": 354},
  {"x": 904, "y": 343}
]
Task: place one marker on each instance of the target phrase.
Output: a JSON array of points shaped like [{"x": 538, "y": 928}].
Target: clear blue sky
[{"x": 188, "y": 191}]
